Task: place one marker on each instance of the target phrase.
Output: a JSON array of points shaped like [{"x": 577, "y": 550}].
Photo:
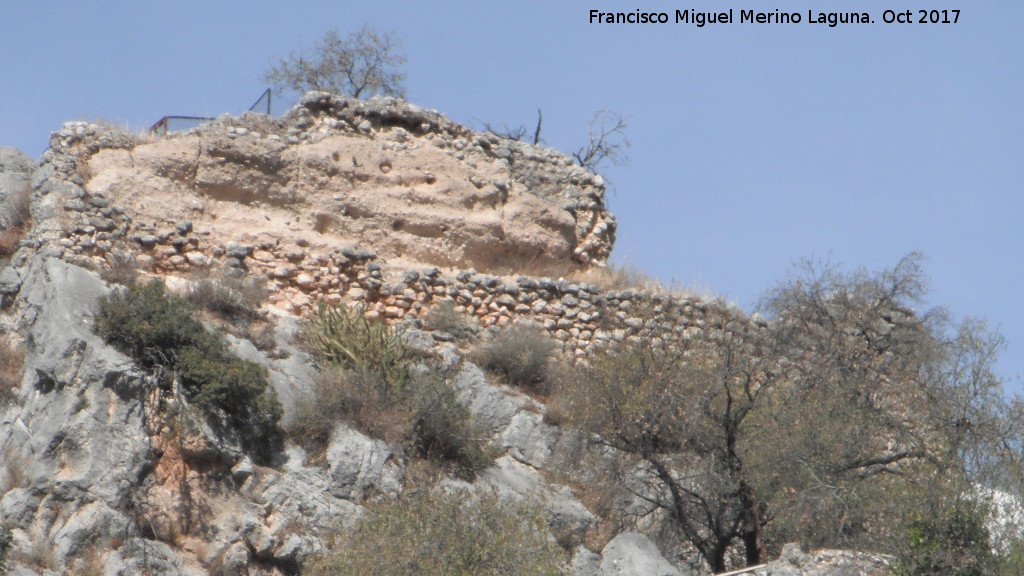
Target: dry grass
[
  {"x": 445, "y": 318},
  {"x": 423, "y": 419},
  {"x": 16, "y": 221},
  {"x": 14, "y": 475},
  {"x": 606, "y": 278},
  {"x": 122, "y": 268},
  {"x": 618, "y": 277},
  {"x": 236, "y": 300},
  {"x": 522, "y": 355},
  {"x": 12, "y": 360}
]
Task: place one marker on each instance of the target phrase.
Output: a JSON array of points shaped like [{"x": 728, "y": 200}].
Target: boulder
[{"x": 633, "y": 554}]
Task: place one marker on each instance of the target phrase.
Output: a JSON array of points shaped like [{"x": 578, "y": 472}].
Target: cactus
[{"x": 342, "y": 335}]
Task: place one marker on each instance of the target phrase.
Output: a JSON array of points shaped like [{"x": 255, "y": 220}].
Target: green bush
[
  {"x": 150, "y": 325},
  {"x": 522, "y": 354},
  {"x": 947, "y": 543},
  {"x": 431, "y": 534},
  {"x": 161, "y": 333}
]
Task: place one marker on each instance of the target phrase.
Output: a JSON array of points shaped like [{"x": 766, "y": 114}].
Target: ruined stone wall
[{"x": 580, "y": 316}]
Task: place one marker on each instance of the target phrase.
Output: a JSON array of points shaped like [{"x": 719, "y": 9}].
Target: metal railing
[
  {"x": 169, "y": 124},
  {"x": 164, "y": 125}
]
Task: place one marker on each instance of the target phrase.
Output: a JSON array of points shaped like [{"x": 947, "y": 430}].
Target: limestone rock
[
  {"x": 491, "y": 408},
  {"x": 361, "y": 466},
  {"x": 632, "y": 554},
  {"x": 794, "y": 562},
  {"x": 567, "y": 517},
  {"x": 585, "y": 562},
  {"x": 15, "y": 174}
]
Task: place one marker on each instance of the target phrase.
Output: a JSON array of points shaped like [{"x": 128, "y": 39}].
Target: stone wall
[{"x": 97, "y": 233}]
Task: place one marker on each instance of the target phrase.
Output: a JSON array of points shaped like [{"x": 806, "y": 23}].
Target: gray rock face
[
  {"x": 75, "y": 442},
  {"x": 632, "y": 554},
  {"x": 566, "y": 516},
  {"x": 15, "y": 172},
  {"x": 491, "y": 407},
  {"x": 585, "y": 562},
  {"x": 80, "y": 471},
  {"x": 361, "y": 466},
  {"x": 291, "y": 375}
]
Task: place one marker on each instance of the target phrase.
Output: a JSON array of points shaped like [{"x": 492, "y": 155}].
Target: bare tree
[
  {"x": 606, "y": 142},
  {"x": 363, "y": 63},
  {"x": 841, "y": 422},
  {"x": 520, "y": 132},
  {"x": 679, "y": 419}
]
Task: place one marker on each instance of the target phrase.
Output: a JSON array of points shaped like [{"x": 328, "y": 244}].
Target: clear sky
[{"x": 753, "y": 145}]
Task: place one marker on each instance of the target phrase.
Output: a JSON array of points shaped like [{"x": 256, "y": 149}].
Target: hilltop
[{"x": 450, "y": 237}]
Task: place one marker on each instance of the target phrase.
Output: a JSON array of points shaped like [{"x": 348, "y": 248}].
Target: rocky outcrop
[
  {"x": 632, "y": 554},
  {"x": 94, "y": 469},
  {"x": 794, "y": 562}
]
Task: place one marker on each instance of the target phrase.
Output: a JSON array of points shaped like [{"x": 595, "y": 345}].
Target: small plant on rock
[
  {"x": 15, "y": 221},
  {"x": 6, "y": 542},
  {"x": 435, "y": 534},
  {"x": 12, "y": 359},
  {"x": 522, "y": 354}
]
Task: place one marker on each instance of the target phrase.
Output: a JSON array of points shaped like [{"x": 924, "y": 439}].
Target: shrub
[
  {"x": 150, "y": 325},
  {"x": 425, "y": 419},
  {"x": 232, "y": 299},
  {"x": 953, "y": 542},
  {"x": 333, "y": 399},
  {"x": 217, "y": 380},
  {"x": 441, "y": 431},
  {"x": 12, "y": 360},
  {"x": 122, "y": 268},
  {"x": 445, "y": 318},
  {"x": 160, "y": 332},
  {"x": 6, "y": 541},
  {"x": 522, "y": 354},
  {"x": 432, "y": 534}
]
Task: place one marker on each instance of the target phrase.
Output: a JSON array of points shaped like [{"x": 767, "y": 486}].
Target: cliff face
[{"x": 377, "y": 202}]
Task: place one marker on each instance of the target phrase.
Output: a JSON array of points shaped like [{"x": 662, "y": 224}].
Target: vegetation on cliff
[{"x": 160, "y": 331}]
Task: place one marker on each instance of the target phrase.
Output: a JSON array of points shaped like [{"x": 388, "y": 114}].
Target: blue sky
[{"x": 753, "y": 145}]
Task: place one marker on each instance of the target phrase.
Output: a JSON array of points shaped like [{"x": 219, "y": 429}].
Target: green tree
[{"x": 361, "y": 64}]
